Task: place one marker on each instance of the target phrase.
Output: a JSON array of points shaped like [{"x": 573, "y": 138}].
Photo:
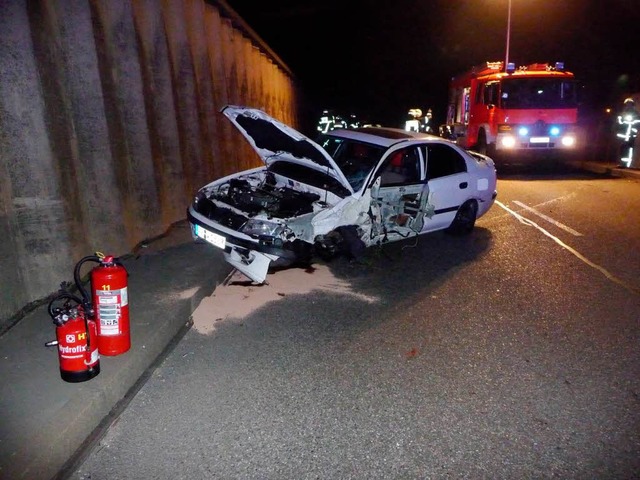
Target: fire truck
[{"x": 494, "y": 110}]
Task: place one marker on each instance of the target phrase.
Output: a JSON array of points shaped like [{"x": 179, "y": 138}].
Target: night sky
[{"x": 378, "y": 58}]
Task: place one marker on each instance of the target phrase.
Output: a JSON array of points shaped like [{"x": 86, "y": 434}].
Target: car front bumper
[{"x": 249, "y": 255}]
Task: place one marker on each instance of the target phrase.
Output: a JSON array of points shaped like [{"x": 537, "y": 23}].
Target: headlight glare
[{"x": 508, "y": 141}]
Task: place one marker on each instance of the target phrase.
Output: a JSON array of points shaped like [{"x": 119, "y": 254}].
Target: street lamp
[{"x": 506, "y": 56}]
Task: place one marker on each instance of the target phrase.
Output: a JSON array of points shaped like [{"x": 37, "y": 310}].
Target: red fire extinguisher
[
  {"x": 110, "y": 303},
  {"x": 76, "y": 339}
]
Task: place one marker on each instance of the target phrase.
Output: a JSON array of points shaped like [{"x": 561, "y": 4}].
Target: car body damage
[{"x": 349, "y": 190}]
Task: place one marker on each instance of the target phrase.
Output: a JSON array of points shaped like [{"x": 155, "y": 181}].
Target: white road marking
[
  {"x": 557, "y": 199},
  {"x": 548, "y": 219},
  {"x": 602, "y": 270}
]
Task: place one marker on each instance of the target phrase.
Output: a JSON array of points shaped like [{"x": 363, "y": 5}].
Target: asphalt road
[{"x": 511, "y": 353}]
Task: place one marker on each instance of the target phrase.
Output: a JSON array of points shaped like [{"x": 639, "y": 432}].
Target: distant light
[
  {"x": 607, "y": 110},
  {"x": 522, "y": 131},
  {"x": 511, "y": 67},
  {"x": 560, "y": 66},
  {"x": 568, "y": 141},
  {"x": 508, "y": 141},
  {"x": 555, "y": 131}
]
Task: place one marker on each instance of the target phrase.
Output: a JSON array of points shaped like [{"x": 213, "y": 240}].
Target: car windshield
[
  {"x": 538, "y": 93},
  {"x": 355, "y": 159}
]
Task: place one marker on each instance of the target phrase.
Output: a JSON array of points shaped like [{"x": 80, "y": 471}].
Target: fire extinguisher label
[
  {"x": 110, "y": 303},
  {"x": 95, "y": 356}
]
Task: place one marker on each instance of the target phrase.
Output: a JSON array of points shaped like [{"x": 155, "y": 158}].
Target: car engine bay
[{"x": 250, "y": 196}]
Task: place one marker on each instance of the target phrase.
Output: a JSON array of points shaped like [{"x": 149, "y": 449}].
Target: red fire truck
[{"x": 496, "y": 110}]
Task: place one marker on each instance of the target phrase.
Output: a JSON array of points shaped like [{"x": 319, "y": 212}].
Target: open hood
[{"x": 273, "y": 140}]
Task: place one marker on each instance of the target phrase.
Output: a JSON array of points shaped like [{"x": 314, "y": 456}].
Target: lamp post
[{"x": 506, "y": 56}]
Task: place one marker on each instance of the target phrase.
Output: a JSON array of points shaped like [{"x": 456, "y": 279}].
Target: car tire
[
  {"x": 465, "y": 219},
  {"x": 329, "y": 246}
]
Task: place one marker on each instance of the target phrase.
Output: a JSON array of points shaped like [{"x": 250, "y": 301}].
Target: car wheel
[
  {"x": 465, "y": 219},
  {"x": 344, "y": 240},
  {"x": 328, "y": 246}
]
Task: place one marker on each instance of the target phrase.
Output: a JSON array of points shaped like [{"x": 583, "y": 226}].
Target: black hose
[
  {"x": 76, "y": 276},
  {"x": 87, "y": 300}
]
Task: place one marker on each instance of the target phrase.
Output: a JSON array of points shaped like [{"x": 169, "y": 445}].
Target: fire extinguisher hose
[
  {"x": 76, "y": 276},
  {"x": 86, "y": 303}
]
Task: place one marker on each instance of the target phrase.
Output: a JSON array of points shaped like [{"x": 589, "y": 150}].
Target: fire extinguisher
[
  {"x": 109, "y": 302},
  {"x": 76, "y": 339}
]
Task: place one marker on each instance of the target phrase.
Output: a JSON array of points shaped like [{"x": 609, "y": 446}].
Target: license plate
[
  {"x": 213, "y": 238},
  {"x": 539, "y": 140}
]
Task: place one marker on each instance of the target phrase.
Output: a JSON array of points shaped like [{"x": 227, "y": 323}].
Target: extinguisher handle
[{"x": 54, "y": 313}]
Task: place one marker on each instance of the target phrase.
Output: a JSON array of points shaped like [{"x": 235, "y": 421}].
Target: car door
[
  {"x": 449, "y": 183},
  {"x": 399, "y": 195}
]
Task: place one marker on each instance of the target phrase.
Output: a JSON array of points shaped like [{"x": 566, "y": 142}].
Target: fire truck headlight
[
  {"x": 523, "y": 131},
  {"x": 508, "y": 141},
  {"x": 568, "y": 141},
  {"x": 555, "y": 131}
]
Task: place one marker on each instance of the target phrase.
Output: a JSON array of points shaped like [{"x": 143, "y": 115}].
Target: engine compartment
[
  {"x": 281, "y": 202},
  {"x": 233, "y": 202}
]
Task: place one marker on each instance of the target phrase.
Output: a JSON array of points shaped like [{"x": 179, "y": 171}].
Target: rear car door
[{"x": 449, "y": 183}]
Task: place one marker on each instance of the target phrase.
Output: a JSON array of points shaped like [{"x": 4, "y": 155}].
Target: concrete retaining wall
[{"x": 109, "y": 122}]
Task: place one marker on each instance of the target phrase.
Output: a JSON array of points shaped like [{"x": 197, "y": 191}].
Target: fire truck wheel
[{"x": 465, "y": 219}]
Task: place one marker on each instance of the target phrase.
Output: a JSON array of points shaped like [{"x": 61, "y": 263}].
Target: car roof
[{"x": 383, "y": 136}]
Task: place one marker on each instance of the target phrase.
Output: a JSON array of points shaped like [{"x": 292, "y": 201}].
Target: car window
[
  {"x": 443, "y": 160},
  {"x": 402, "y": 167},
  {"x": 355, "y": 159}
]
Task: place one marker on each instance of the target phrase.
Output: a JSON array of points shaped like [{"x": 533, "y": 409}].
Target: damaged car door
[{"x": 400, "y": 196}]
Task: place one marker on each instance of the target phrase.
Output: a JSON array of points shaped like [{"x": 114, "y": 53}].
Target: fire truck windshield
[{"x": 538, "y": 93}]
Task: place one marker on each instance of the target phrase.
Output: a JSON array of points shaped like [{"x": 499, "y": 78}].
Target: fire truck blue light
[
  {"x": 555, "y": 131},
  {"x": 523, "y": 131}
]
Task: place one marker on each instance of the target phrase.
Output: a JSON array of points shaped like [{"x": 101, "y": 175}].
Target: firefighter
[
  {"x": 413, "y": 120},
  {"x": 628, "y": 121},
  {"x": 425, "y": 123}
]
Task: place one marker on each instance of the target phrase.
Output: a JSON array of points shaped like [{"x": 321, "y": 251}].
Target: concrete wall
[{"x": 109, "y": 122}]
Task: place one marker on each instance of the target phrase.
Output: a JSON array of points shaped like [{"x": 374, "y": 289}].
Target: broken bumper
[{"x": 249, "y": 255}]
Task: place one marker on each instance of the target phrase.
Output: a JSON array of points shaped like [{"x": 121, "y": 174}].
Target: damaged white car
[{"x": 348, "y": 190}]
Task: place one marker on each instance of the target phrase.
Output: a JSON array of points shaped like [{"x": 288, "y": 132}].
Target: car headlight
[
  {"x": 568, "y": 141},
  {"x": 255, "y": 228},
  {"x": 508, "y": 141}
]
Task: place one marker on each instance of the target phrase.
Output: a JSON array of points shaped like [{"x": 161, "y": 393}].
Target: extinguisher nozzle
[{"x": 52, "y": 343}]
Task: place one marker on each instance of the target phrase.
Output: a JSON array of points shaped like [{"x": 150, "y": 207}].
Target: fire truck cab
[{"x": 535, "y": 107}]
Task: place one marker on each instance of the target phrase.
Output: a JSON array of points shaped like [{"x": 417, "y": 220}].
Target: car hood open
[{"x": 275, "y": 141}]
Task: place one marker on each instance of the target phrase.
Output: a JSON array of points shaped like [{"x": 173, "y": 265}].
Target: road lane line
[
  {"x": 557, "y": 199},
  {"x": 548, "y": 219},
  {"x": 602, "y": 270}
]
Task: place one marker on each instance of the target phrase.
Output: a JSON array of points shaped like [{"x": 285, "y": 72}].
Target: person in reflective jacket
[{"x": 628, "y": 121}]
